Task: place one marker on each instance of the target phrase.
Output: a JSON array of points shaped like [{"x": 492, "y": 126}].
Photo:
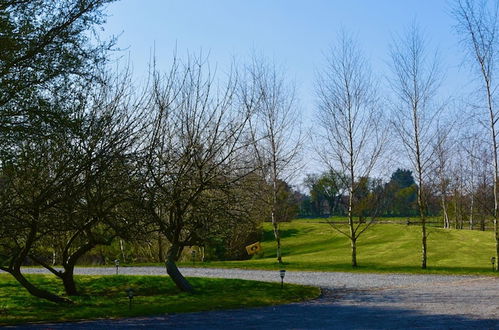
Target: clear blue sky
[{"x": 293, "y": 33}]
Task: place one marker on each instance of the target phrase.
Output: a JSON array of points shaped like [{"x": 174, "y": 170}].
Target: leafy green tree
[
  {"x": 401, "y": 194},
  {"x": 47, "y": 52},
  {"x": 402, "y": 178}
]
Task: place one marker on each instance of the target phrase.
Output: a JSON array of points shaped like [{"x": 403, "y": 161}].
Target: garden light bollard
[
  {"x": 117, "y": 264},
  {"x": 129, "y": 293},
  {"x": 193, "y": 254},
  {"x": 282, "y": 273},
  {"x": 493, "y": 261}
]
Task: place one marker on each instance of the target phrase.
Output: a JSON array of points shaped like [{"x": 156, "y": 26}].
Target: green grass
[
  {"x": 312, "y": 244},
  {"x": 105, "y": 297}
]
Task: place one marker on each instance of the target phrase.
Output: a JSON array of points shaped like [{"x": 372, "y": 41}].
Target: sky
[{"x": 293, "y": 34}]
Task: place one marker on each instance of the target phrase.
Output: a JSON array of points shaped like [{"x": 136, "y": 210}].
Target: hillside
[{"x": 312, "y": 244}]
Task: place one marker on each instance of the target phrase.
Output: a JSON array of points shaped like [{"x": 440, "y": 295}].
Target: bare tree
[
  {"x": 351, "y": 136},
  {"x": 103, "y": 141},
  {"x": 442, "y": 151},
  {"x": 415, "y": 80},
  {"x": 471, "y": 146},
  {"x": 275, "y": 131},
  {"x": 477, "y": 24},
  {"x": 195, "y": 156}
]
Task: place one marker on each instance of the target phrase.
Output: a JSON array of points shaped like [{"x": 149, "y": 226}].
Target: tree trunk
[
  {"x": 423, "y": 226},
  {"x": 277, "y": 236},
  {"x": 122, "y": 249},
  {"x": 275, "y": 224},
  {"x": 68, "y": 282},
  {"x": 40, "y": 293},
  {"x": 172, "y": 270},
  {"x": 471, "y": 212},
  {"x": 496, "y": 230},
  {"x": 353, "y": 237},
  {"x": 444, "y": 210},
  {"x": 353, "y": 244},
  {"x": 493, "y": 120},
  {"x": 424, "y": 247}
]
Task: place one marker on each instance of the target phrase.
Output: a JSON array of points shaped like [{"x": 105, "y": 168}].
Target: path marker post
[{"x": 282, "y": 273}]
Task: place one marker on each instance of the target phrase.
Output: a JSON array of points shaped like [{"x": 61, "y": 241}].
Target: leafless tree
[
  {"x": 275, "y": 131},
  {"x": 477, "y": 24},
  {"x": 195, "y": 157},
  {"x": 442, "y": 151},
  {"x": 415, "y": 80},
  {"x": 471, "y": 147},
  {"x": 350, "y": 117},
  {"x": 103, "y": 141}
]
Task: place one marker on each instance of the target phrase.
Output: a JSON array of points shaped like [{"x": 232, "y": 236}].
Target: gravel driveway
[{"x": 349, "y": 301}]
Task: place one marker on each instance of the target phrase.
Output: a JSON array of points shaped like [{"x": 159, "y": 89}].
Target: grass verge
[{"x": 105, "y": 297}]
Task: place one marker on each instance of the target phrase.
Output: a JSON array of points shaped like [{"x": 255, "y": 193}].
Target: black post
[
  {"x": 282, "y": 272},
  {"x": 130, "y": 293}
]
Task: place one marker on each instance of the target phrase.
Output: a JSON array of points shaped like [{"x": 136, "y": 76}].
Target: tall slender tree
[
  {"x": 478, "y": 26},
  {"x": 415, "y": 81},
  {"x": 275, "y": 129},
  {"x": 350, "y": 117}
]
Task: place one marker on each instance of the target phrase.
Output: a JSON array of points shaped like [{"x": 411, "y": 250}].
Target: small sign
[{"x": 253, "y": 248}]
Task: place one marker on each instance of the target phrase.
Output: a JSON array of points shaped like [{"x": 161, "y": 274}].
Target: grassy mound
[
  {"x": 312, "y": 244},
  {"x": 105, "y": 297}
]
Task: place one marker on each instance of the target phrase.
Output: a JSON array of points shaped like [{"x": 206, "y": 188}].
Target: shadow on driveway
[{"x": 323, "y": 313}]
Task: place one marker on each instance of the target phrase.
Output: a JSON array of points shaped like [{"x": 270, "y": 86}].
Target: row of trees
[
  {"x": 328, "y": 197},
  {"x": 195, "y": 157},
  {"x": 86, "y": 158},
  {"x": 463, "y": 198},
  {"x": 354, "y": 122}
]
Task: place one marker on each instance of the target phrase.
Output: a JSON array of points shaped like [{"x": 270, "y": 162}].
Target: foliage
[{"x": 326, "y": 192}]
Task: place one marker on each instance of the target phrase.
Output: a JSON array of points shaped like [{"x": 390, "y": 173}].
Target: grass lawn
[
  {"x": 105, "y": 297},
  {"x": 311, "y": 244}
]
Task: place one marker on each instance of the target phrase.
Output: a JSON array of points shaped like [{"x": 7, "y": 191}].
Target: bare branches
[
  {"x": 415, "y": 81},
  {"x": 350, "y": 118},
  {"x": 275, "y": 130},
  {"x": 477, "y": 24}
]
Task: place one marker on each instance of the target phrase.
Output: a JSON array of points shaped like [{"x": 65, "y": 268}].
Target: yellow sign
[{"x": 254, "y": 248}]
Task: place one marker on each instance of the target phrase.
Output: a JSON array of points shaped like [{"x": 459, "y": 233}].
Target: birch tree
[
  {"x": 276, "y": 131},
  {"x": 351, "y": 137},
  {"x": 477, "y": 25},
  {"x": 442, "y": 152},
  {"x": 415, "y": 80}
]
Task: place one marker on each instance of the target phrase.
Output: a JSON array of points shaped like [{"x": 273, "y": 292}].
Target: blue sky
[{"x": 295, "y": 34}]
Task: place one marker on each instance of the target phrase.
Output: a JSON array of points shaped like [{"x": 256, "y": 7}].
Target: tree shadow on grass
[{"x": 268, "y": 235}]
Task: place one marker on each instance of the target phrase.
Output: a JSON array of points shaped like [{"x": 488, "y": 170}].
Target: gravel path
[{"x": 349, "y": 301}]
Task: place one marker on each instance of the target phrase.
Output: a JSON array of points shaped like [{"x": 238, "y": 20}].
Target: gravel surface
[
  {"x": 321, "y": 279},
  {"x": 349, "y": 301}
]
